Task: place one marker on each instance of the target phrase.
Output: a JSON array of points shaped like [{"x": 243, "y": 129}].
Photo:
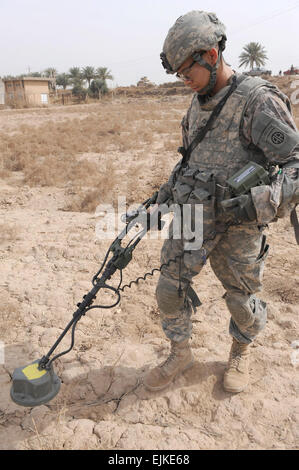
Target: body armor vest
[{"x": 223, "y": 151}]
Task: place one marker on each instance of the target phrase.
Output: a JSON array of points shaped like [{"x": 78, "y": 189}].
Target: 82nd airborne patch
[{"x": 277, "y": 137}]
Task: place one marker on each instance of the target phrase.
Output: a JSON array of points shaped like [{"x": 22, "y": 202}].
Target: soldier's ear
[{"x": 211, "y": 56}]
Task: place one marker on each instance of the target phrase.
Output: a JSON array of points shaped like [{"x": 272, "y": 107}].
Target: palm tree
[
  {"x": 79, "y": 92},
  {"x": 88, "y": 73},
  {"x": 63, "y": 80},
  {"x": 253, "y": 53},
  {"x": 104, "y": 74},
  {"x": 51, "y": 74},
  {"x": 98, "y": 88},
  {"x": 75, "y": 75},
  {"x": 34, "y": 74}
]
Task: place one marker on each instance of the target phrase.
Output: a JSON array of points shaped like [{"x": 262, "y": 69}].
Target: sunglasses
[{"x": 182, "y": 75}]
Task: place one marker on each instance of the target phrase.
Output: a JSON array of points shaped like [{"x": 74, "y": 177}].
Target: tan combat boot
[
  {"x": 180, "y": 359},
  {"x": 236, "y": 376}
]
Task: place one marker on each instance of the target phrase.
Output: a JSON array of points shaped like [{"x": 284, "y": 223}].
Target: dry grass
[
  {"x": 126, "y": 128},
  {"x": 54, "y": 171},
  {"x": 56, "y": 153},
  {"x": 171, "y": 145},
  {"x": 73, "y": 147},
  {"x": 102, "y": 189}
]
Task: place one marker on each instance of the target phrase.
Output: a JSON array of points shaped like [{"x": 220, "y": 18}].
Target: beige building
[{"x": 32, "y": 91}]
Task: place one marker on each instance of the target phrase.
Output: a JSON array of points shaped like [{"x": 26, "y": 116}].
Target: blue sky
[{"x": 127, "y": 36}]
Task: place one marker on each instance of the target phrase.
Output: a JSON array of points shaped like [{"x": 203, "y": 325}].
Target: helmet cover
[{"x": 196, "y": 31}]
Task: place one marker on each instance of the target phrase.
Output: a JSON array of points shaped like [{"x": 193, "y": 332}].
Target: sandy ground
[{"x": 48, "y": 258}]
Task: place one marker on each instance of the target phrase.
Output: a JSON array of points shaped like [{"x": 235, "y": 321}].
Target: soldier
[{"x": 232, "y": 120}]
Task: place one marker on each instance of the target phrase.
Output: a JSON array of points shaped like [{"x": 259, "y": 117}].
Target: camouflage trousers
[{"x": 237, "y": 258}]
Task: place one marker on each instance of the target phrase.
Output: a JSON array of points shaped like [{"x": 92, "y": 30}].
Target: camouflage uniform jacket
[{"x": 231, "y": 144}]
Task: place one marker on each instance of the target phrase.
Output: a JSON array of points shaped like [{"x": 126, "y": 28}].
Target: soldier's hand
[
  {"x": 241, "y": 207},
  {"x": 164, "y": 194}
]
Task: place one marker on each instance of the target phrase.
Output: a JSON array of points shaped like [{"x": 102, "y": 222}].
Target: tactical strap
[
  {"x": 212, "y": 69},
  {"x": 186, "y": 153},
  {"x": 295, "y": 223},
  {"x": 193, "y": 297}
]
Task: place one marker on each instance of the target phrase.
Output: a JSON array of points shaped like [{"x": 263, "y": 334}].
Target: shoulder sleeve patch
[{"x": 273, "y": 136}]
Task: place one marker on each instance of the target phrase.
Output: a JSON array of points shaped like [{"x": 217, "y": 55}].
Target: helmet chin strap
[{"x": 212, "y": 69}]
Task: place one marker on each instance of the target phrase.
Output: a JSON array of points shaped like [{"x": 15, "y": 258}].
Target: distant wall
[{"x": 37, "y": 93}]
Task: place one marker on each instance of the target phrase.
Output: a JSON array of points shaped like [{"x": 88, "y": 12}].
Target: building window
[{"x": 44, "y": 98}]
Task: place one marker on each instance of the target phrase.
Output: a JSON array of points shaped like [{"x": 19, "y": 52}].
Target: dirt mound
[
  {"x": 166, "y": 89},
  {"x": 178, "y": 88},
  {"x": 286, "y": 84}
]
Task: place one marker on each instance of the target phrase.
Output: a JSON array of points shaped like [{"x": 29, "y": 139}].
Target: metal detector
[{"x": 37, "y": 383}]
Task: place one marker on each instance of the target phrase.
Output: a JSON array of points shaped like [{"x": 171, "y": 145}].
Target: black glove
[{"x": 241, "y": 207}]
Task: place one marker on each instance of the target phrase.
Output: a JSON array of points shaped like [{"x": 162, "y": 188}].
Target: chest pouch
[
  {"x": 194, "y": 186},
  {"x": 196, "y": 189},
  {"x": 248, "y": 177}
]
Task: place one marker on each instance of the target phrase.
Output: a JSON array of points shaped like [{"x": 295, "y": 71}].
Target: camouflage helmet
[{"x": 196, "y": 31}]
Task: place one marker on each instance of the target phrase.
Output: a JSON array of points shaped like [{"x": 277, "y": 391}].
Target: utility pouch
[
  {"x": 248, "y": 177},
  {"x": 184, "y": 185},
  {"x": 194, "y": 186},
  {"x": 204, "y": 194}
]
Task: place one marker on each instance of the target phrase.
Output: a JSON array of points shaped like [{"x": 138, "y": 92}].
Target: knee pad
[
  {"x": 248, "y": 312},
  {"x": 240, "y": 309}
]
